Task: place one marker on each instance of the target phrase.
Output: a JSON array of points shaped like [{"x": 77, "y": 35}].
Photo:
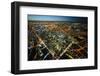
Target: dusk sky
[{"x": 56, "y": 18}]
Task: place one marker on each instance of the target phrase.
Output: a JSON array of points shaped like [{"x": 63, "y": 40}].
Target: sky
[{"x": 56, "y": 18}]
